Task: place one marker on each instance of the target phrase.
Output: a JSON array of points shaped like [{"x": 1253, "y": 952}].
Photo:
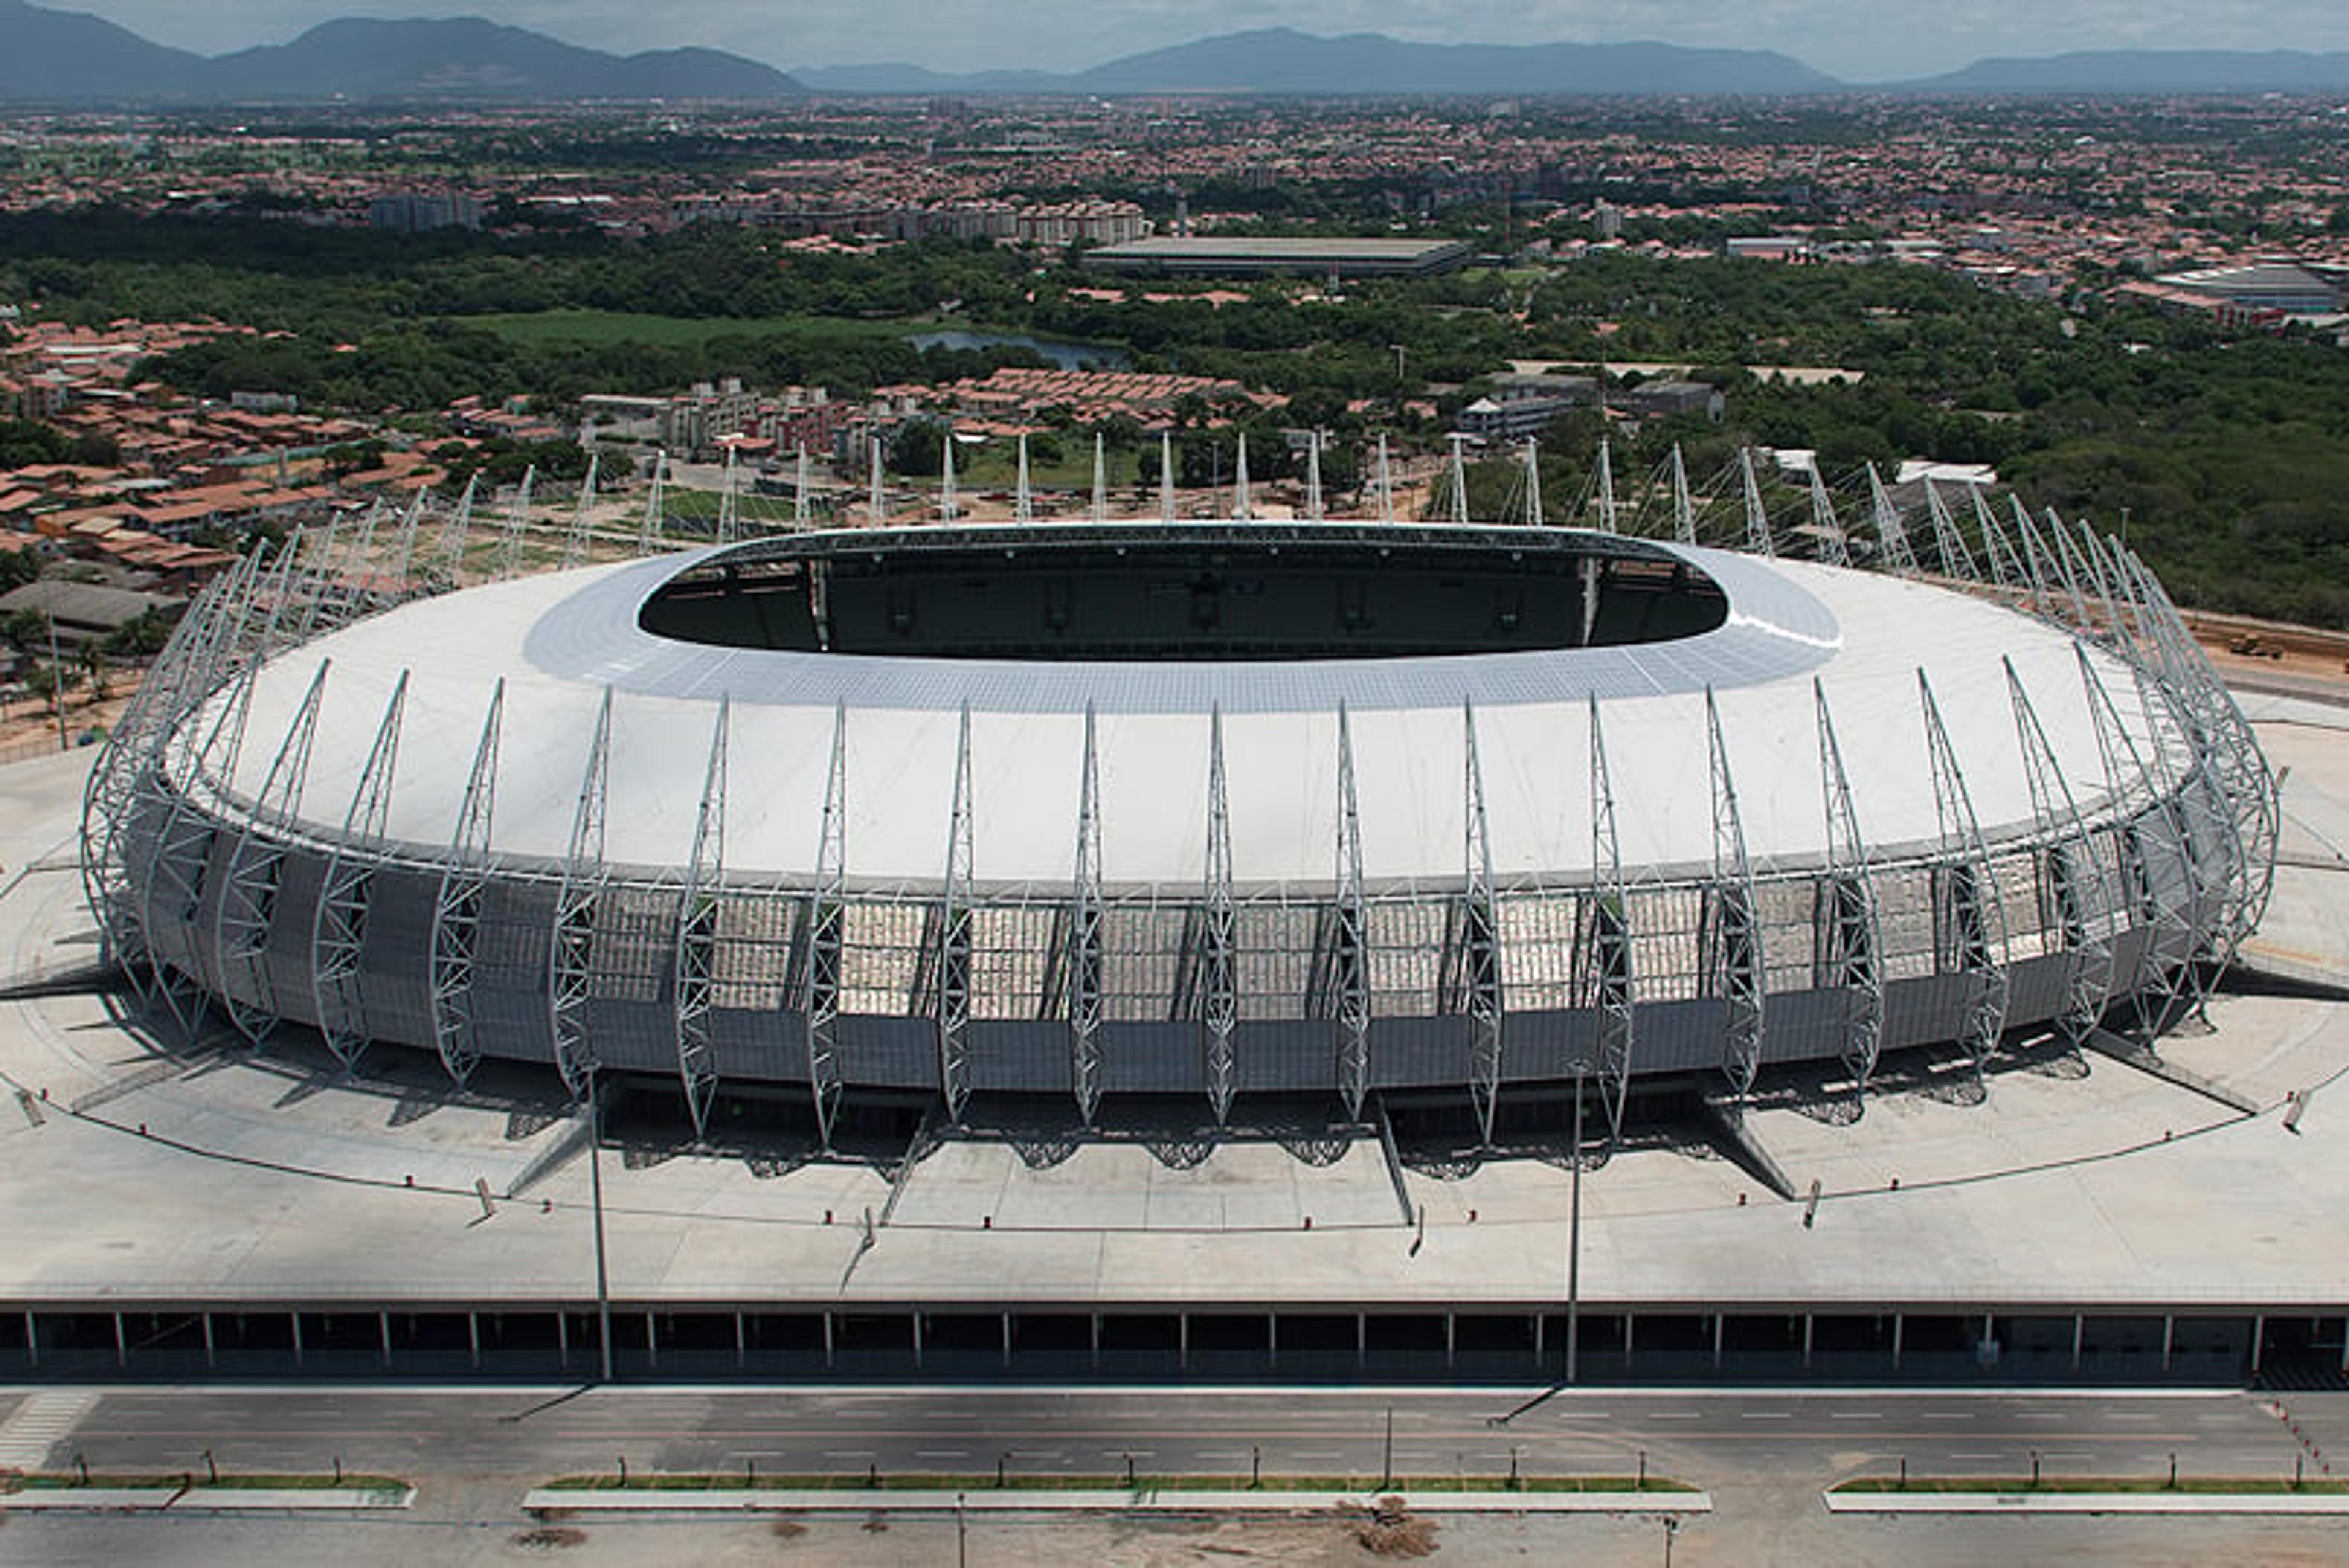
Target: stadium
[{"x": 1139, "y": 823}]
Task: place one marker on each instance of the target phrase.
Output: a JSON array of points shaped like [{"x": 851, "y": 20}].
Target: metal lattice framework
[
  {"x": 1477, "y": 942},
  {"x": 1848, "y": 940},
  {"x": 1345, "y": 984},
  {"x": 950, "y": 980},
  {"x": 248, "y": 901},
  {"x": 818, "y": 992},
  {"x": 1969, "y": 920},
  {"x": 2078, "y": 884},
  {"x": 571, "y": 953},
  {"x": 2143, "y": 884},
  {"x": 338, "y": 928},
  {"x": 698, "y": 907},
  {"x": 1891, "y": 537},
  {"x": 1730, "y": 939},
  {"x": 1604, "y": 982},
  {"x": 1218, "y": 986},
  {"x": 457, "y": 909},
  {"x": 1082, "y": 960}
]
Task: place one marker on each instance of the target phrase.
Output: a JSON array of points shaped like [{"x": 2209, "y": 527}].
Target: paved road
[
  {"x": 527, "y": 1435},
  {"x": 1763, "y": 1457}
]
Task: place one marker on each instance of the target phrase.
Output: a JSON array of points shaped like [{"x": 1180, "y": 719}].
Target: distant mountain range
[
  {"x": 2126, "y": 71},
  {"x": 61, "y": 55},
  {"x": 1279, "y": 60}
]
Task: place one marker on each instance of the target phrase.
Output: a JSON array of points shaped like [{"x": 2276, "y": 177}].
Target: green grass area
[
  {"x": 917, "y": 1481},
  {"x": 2072, "y": 1486},
  {"x": 141, "y": 1481},
  {"x": 608, "y": 327}
]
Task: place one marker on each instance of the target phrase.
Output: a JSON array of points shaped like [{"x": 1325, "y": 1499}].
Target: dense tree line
[{"x": 2227, "y": 451}]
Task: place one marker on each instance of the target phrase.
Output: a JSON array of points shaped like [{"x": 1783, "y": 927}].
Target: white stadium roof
[{"x": 558, "y": 641}]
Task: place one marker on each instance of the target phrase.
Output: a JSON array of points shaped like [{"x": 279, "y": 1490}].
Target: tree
[{"x": 918, "y": 450}]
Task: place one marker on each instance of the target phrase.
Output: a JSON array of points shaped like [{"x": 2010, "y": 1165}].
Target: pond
[{"x": 1066, "y": 355}]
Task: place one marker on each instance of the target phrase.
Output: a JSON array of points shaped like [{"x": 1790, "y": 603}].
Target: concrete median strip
[
  {"x": 173, "y": 1498},
  {"x": 2086, "y": 1503},
  {"x": 203, "y": 1499},
  {"x": 558, "y": 1501},
  {"x": 2073, "y": 1502}
]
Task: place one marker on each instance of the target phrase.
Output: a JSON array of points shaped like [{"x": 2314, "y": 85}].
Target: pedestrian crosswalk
[{"x": 38, "y": 1425}]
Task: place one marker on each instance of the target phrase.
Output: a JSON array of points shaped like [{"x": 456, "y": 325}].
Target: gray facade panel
[
  {"x": 1298, "y": 1055},
  {"x": 1154, "y": 1058},
  {"x": 888, "y": 1052},
  {"x": 1406, "y": 1051},
  {"x": 1536, "y": 1046},
  {"x": 765, "y": 1045}
]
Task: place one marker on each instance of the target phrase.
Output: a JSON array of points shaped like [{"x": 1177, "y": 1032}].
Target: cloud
[{"x": 1858, "y": 38}]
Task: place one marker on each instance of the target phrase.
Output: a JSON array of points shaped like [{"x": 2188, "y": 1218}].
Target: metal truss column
[
  {"x": 1476, "y": 957},
  {"x": 1891, "y": 535},
  {"x": 1998, "y": 554},
  {"x": 1683, "y": 509},
  {"x": 2139, "y": 806},
  {"x": 125, "y": 786},
  {"x": 1218, "y": 982},
  {"x": 574, "y": 541},
  {"x": 1969, "y": 921},
  {"x": 1606, "y": 481},
  {"x": 1832, "y": 548},
  {"x": 449, "y": 550},
  {"x": 2079, "y": 886},
  {"x": 649, "y": 532},
  {"x": 182, "y": 860},
  {"x": 248, "y": 901},
  {"x": 1350, "y": 944},
  {"x": 1603, "y": 978},
  {"x": 1956, "y": 562},
  {"x": 571, "y": 939},
  {"x": 1730, "y": 940},
  {"x": 457, "y": 909},
  {"x": 338, "y": 926},
  {"x": 697, "y": 908},
  {"x": 313, "y": 585},
  {"x": 2080, "y": 569},
  {"x": 1757, "y": 521},
  {"x": 819, "y": 987},
  {"x": 2214, "y": 867},
  {"x": 1847, "y": 942},
  {"x": 955, "y": 937},
  {"x": 2050, "y": 569},
  {"x": 1083, "y": 961},
  {"x": 403, "y": 558},
  {"x": 517, "y": 523},
  {"x": 2249, "y": 789}
]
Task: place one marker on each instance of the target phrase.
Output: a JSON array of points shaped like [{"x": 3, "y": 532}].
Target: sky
[{"x": 1860, "y": 40}]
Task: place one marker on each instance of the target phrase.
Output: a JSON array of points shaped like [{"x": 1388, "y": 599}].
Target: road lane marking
[
  {"x": 39, "y": 1424},
  {"x": 1855, "y": 1415}
]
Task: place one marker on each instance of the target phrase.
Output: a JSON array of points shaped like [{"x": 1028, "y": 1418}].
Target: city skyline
[{"x": 1856, "y": 41}]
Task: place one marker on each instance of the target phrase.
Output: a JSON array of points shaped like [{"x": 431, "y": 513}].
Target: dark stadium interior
[{"x": 1190, "y": 595}]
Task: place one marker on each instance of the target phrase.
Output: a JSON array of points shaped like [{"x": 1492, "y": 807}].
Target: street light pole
[
  {"x": 57, "y": 686},
  {"x": 595, "y": 1192},
  {"x": 1574, "y": 1245}
]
